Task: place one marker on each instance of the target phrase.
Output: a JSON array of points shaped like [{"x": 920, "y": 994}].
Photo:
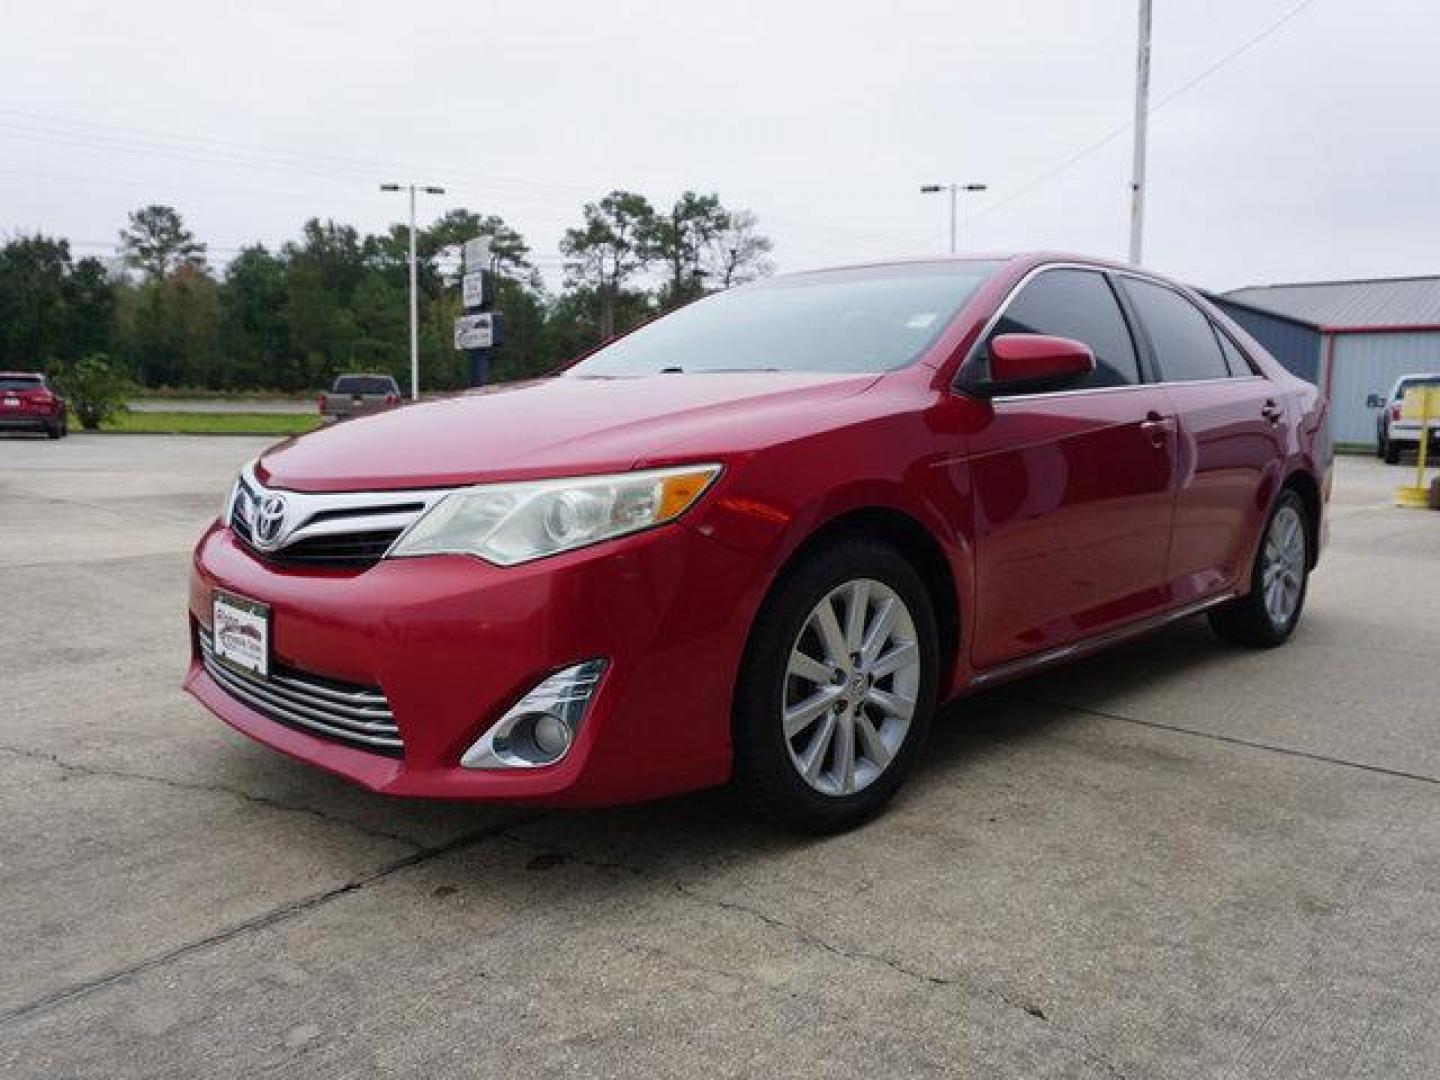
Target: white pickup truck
[{"x": 1395, "y": 434}]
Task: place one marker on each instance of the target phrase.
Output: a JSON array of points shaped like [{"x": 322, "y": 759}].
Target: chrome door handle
[{"x": 1157, "y": 427}]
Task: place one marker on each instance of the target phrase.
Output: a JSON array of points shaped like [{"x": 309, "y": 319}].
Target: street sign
[
  {"x": 477, "y": 255},
  {"x": 475, "y": 331},
  {"x": 472, "y": 289}
]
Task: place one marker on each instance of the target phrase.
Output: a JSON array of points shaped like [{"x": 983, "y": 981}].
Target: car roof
[
  {"x": 1026, "y": 259},
  {"x": 22, "y": 374}
]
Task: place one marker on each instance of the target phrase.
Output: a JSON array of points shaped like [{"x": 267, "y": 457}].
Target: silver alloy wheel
[
  {"x": 1282, "y": 572},
  {"x": 850, "y": 687}
]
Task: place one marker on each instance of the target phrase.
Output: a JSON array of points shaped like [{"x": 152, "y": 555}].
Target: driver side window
[{"x": 1076, "y": 304}]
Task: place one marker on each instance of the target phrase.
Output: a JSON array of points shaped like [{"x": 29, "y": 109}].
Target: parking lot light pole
[
  {"x": 428, "y": 189},
  {"x": 954, "y": 189}
]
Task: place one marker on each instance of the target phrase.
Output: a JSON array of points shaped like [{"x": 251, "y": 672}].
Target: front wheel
[
  {"x": 837, "y": 688},
  {"x": 1267, "y": 616}
]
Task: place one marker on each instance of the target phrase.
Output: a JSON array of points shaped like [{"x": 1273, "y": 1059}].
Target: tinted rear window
[
  {"x": 870, "y": 319},
  {"x": 21, "y": 382},
  {"x": 1185, "y": 345},
  {"x": 1236, "y": 360},
  {"x": 364, "y": 384}
]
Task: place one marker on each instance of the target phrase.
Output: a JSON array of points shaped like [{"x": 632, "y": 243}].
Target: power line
[
  {"x": 1160, "y": 103},
  {"x": 45, "y": 128}
]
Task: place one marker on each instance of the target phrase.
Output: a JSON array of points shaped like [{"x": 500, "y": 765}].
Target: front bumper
[
  {"x": 1409, "y": 433},
  {"x": 453, "y": 642}
]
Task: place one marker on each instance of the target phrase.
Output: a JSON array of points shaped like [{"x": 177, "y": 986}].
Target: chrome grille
[
  {"x": 345, "y": 712},
  {"x": 341, "y": 529}
]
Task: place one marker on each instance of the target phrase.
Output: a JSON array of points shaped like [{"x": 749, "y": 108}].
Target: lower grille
[
  {"x": 356, "y": 715},
  {"x": 341, "y": 549}
]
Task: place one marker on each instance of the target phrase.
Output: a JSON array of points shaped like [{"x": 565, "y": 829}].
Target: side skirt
[{"x": 1013, "y": 669}]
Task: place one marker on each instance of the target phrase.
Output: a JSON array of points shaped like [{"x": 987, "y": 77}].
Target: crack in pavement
[
  {"x": 263, "y": 921},
  {"x": 1235, "y": 740},
  {"x": 220, "y": 789},
  {"x": 1031, "y": 1011}
]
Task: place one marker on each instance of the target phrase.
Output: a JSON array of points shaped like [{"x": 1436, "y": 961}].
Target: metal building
[
  {"x": 1296, "y": 343},
  {"x": 1365, "y": 335}
]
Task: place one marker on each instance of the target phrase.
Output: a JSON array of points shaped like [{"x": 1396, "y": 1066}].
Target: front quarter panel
[{"x": 900, "y": 451}]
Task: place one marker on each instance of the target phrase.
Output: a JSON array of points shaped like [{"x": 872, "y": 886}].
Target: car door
[
  {"x": 1073, "y": 488},
  {"x": 1231, "y": 435}
]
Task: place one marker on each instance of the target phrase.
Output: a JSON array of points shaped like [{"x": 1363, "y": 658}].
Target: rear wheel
[
  {"x": 55, "y": 430},
  {"x": 837, "y": 689},
  {"x": 1267, "y": 616},
  {"x": 1392, "y": 453}
]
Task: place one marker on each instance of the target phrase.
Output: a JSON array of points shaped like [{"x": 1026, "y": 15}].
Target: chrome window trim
[{"x": 1036, "y": 271}]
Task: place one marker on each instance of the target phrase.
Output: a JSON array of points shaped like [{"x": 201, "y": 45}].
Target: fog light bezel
[{"x": 564, "y": 696}]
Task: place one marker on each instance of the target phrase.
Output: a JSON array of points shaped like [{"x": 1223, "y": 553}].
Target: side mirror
[
  {"x": 1374, "y": 401},
  {"x": 1031, "y": 362}
]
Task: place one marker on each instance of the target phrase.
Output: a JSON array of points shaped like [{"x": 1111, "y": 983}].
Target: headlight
[{"x": 514, "y": 523}]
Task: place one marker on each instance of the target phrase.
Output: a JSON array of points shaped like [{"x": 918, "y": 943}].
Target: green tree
[
  {"x": 171, "y": 330},
  {"x": 34, "y": 309},
  {"x": 94, "y": 388},
  {"x": 681, "y": 238},
  {"x": 738, "y": 253},
  {"x": 89, "y": 309},
  {"x": 157, "y": 243},
  {"x": 608, "y": 250},
  {"x": 254, "y": 323},
  {"x": 324, "y": 269},
  {"x": 509, "y": 253}
]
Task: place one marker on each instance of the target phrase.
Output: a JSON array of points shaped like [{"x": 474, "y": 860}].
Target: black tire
[
  {"x": 1380, "y": 446},
  {"x": 766, "y": 779},
  {"x": 1248, "y": 620},
  {"x": 55, "y": 430},
  {"x": 1392, "y": 453}
]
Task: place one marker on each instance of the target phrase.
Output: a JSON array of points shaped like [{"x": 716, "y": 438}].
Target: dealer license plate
[{"x": 242, "y": 633}]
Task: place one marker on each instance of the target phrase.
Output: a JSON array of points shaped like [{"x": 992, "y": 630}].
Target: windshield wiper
[{"x": 712, "y": 370}]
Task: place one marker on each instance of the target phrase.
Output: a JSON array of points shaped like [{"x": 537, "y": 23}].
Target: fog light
[
  {"x": 540, "y": 728},
  {"x": 551, "y": 736}
]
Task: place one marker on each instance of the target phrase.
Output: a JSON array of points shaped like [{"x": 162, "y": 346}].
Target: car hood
[{"x": 557, "y": 426}]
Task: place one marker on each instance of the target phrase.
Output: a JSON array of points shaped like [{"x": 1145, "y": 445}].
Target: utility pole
[
  {"x": 954, "y": 190},
  {"x": 428, "y": 189},
  {"x": 1142, "y": 114}
]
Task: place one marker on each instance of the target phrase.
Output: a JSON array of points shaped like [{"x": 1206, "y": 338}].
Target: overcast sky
[{"x": 1313, "y": 154}]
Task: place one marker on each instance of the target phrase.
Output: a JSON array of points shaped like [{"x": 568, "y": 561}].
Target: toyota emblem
[{"x": 269, "y": 522}]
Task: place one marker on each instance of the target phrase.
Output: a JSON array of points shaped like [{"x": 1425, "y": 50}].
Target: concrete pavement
[{"x": 1177, "y": 859}]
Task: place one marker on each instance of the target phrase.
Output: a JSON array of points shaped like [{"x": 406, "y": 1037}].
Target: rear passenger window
[
  {"x": 1234, "y": 359},
  {"x": 1185, "y": 345},
  {"x": 1077, "y": 304}
]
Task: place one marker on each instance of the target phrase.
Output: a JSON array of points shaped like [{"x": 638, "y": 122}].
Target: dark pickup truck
[{"x": 357, "y": 395}]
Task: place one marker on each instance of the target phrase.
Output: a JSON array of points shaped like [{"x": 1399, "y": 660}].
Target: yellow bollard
[{"x": 1421, "y": 403}]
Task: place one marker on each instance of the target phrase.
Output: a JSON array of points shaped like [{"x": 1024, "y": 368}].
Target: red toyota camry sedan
[{"x": 761, "y": 539}]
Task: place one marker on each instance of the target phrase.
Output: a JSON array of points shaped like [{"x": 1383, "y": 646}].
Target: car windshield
[
  {"x": 1411, "y": 384},
  {"x": 20, "y": 382},
  {"x": 864, "y": 320}
]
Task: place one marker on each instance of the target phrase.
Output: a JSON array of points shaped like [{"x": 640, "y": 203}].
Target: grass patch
[{"x": 226, "y": 423}]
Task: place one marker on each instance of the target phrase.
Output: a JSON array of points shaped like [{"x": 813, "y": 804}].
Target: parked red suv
[
  {"x": 29, "y": 403},
  {"x": 761, "y": 538}
]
